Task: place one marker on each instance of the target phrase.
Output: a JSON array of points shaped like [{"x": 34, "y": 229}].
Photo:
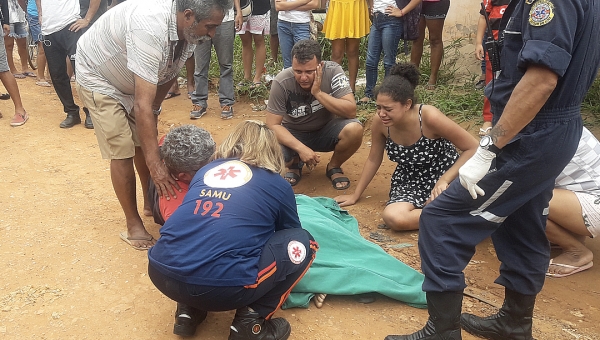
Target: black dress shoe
[
  {"x": 88, "y": 122},
  {"x": 70, "y": 121}
]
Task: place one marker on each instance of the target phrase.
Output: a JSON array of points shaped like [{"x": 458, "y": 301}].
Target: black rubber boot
[
  {"x": 513, "y": 321},
  {"x": 248, "y": 325},
  {"x": 187, "y": 318},
  {"x": 444, "y": 318},
  {"x": 70, "y": 121},
  {"x": 88, "y": 119}
]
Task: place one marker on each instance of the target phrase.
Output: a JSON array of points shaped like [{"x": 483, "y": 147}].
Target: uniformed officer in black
[{"x": 549, "y": 59}]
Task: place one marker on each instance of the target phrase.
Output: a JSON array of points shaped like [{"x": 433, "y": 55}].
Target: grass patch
[{"x": 461, "y": 102}]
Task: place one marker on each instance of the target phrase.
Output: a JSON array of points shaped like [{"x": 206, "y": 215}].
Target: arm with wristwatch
[{"x": 526, "y": 100}]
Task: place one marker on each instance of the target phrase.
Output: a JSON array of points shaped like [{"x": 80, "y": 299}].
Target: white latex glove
[{"x": 474, "y": 169}]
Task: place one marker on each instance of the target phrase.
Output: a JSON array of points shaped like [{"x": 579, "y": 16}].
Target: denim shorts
[
  {"x": 18, "y": 30},
  {"x": 34, "y": 27},
  {"x": 435, "y": 9}
]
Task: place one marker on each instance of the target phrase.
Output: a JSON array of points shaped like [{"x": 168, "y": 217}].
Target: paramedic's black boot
[
  {"x": 187, "y": 318},
  {"x": 444, "y": 318},
  {"x": 248, "y": 325},
  {"x": 513, "y": 321}
]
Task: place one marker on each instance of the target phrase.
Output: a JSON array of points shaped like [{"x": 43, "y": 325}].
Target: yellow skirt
[{"x": 347, "y": 19}]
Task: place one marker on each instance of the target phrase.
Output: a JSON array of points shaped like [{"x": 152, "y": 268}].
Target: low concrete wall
[{"x": 462, "y": 18}]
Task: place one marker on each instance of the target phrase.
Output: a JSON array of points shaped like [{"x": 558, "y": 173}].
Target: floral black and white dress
[{"x": 419, "y": 167}]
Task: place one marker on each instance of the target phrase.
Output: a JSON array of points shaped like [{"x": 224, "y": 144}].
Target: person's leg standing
[
  {"x": 373, "y": 55},
  {"x": 202, "y": 55},
  {"x": 416, "y": 50},
  {"x": 301, "y": 31},
  {"x": 274, "y": 34},
  {"x": 352, "y": 52},
  {"x": 117, "y": 141},
  {"x": 286, "y": 41},
  {"x": 223, "y": 42},
  {"x": 57, "y": 49},
  {"x": 390, "y": 38},
  {"x": 9, "y": 82},
  {"x": 454, "y": 223},
  {"x": 435, "y": 26},
  {"x": 247, "y": 53}
]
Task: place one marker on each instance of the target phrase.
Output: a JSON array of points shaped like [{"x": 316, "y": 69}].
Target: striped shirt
[
  {"x": 582, "y": 174},
  {"x": 140, "y": 39}
]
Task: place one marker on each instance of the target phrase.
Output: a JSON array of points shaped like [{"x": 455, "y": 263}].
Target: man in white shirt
[{"x": 125, "y": 65}]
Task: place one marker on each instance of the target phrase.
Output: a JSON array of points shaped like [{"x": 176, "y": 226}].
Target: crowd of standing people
[{"x": 235, "y": 241}]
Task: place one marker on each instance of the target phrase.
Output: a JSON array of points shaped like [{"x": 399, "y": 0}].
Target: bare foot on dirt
[{"x": 319, "y": 299}]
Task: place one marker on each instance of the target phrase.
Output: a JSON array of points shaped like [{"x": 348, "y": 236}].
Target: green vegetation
[{"x": 462, "y": 102}]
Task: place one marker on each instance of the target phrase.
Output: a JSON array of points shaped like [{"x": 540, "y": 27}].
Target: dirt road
[{"x": 65, "y": 274}]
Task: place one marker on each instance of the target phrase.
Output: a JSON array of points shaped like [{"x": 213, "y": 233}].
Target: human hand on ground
[
  {"x": 345, "y": 200},
  {"x": 474, "y": 169},
  {"x": 479, "y": 52},
  {"x": 79, "y": 24},
  {"x": 316, "y": 86},
  {"x": 165, "y": 183},
  {"x": 310, "y": 158}
]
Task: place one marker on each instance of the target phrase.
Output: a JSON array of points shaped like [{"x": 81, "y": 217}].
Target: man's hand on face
[
  {"x": 316, "y": 86},
  {"x": 163, "y": 180}
]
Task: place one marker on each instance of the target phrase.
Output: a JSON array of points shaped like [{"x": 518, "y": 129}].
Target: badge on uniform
[
  {"x": 541, "y": 13},
  {"x": 296, "y": 252}
]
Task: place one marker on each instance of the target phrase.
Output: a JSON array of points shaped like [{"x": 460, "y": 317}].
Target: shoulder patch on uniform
[{"x": 541, "y": 13}]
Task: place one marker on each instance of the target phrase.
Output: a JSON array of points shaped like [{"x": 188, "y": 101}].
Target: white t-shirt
[
  {"x": 381, "y": 5},
  {"x": 298, "y": 17},
  {"x": 57, "y": 14}
]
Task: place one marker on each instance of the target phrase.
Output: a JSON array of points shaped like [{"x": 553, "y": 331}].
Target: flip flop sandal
[
  {"x": 171, "y": 95},
  {"x": 128, "y": 240},
  {"x": 29, "y": 74},
  {"x": 575, "y": 269},
  {"x": 43, "y": 84},
  {"x": 335, "y": 181},
  {"x": 292, "y": 176},
  {"x": 19, "y": 75},
  {"x": 4, "y": 96}
]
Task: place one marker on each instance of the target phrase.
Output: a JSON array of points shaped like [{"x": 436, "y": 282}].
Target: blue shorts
[
  {"x": 34, "y": 27},
  {"x": 18, "y": 30}
]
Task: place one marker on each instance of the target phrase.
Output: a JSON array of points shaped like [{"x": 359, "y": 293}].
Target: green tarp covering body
[{"x": 348, "y": 264}]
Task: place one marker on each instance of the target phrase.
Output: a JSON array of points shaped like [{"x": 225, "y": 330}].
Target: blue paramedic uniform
[
  {"x": 235, "y": 241},
  {"x": 563, "y": 36}
]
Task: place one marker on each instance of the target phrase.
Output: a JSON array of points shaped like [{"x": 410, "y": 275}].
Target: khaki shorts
[{"x": 115, "y": 128}]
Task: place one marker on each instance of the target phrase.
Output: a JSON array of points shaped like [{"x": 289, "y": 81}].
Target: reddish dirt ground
[{"x": 67, "y": 275}]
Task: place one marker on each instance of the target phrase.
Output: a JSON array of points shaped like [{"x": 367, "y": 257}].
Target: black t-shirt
[{"x": 259, "y": 7}]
